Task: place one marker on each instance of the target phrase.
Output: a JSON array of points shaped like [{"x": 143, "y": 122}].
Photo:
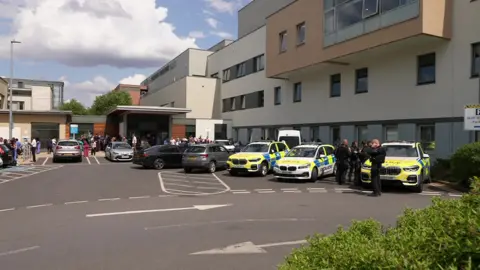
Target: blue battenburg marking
[
  {"x": 278, "y": 156},
  {"x": 274, "y": 162},
  {"x": 266, "y": 156},
  {"x": 421, "y": 162},
  {"x": 334, "y": 159},
  {"x": 317, "y": 162}
]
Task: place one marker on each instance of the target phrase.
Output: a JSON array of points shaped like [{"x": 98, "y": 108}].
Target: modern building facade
[
  {"x": 354, "y": 69},
  {"x": 135, "y": 91},
  {"x": 36, "y": 95}
]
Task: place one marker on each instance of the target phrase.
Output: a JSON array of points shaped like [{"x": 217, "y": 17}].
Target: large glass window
[
  {"x": 361, "y": 80},
  {"x": 335, "y": 133},
  {"x": 362, "y": 133},
  {"x": 426, "y": 69},
  {"x": 426, "y": 134},
  {"x": 45, "y": 132},
  {"x": 349, "y": 13},
  {"x": 335, "y": 85},
  {"x": 277, "y": 95},
  {"x": 190, "y": 131},
  {"x": 391, "y": 133},
  {"x": 370, "y": 8},
  {"x": 329, "y": 22},
  {"x": 387, "y": 5},
  {"x": 301, "y": 33},
  {"x": 297, "y": 92},
  {"x": 475, "y": 59},
  {"x": 220, "y": 131},
  {"x": 314, "y": 134},
  {"x": 283, "y": 41}
]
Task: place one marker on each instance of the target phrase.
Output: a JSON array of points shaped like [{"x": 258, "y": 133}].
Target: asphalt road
[{"x": 117, "y": 216}]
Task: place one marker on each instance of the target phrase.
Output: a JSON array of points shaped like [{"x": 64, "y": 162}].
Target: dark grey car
[{"x": 205, "y": 156}]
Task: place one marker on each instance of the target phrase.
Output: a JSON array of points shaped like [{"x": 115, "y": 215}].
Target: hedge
[
  {"x": 445, "y": 235},
  {"x": 465, "y": 163}
]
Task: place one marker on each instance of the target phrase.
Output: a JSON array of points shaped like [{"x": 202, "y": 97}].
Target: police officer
[
  {"x": 354, "y": 163},
  {"x": 342, "y": 154},
  {"x": 377, "y": 157}
]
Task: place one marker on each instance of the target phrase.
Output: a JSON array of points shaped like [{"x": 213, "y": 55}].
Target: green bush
[
  {"x": 465, "y": 163},
  {"x": 441, "y": 169},
  {"x": 445, "y": 235}
]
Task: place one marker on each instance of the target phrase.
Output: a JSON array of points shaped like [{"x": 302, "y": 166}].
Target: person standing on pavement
[
  {"x": 342, "y": 154},
  {"x": 33, "y": 149},
  {"x": 134, "y": 142},
  {"x": 377, "y": 157},
  {"x": 354, "y": 163}
]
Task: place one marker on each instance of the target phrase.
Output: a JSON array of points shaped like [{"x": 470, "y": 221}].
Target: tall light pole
[{"x": 10, "y": 113}]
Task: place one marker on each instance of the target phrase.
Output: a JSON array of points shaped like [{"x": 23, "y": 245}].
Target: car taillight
[
  {"x": 204, "y": 155},
  {"x": 77, "y": 147},
  {"x": 145, "y": 154},
  {"x": 58, "y": 147}
]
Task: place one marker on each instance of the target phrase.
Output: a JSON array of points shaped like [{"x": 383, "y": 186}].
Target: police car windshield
[
  {"x": 306, "y": 152},
  {"x": 401, "y": 151},
  {"x": 256, "y": 148}
]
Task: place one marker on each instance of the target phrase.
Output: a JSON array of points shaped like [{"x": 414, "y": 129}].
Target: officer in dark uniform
[
  {"x": 354, "y": 163},
  {"x": 342, "y": 154},
  {"x": 377, "y": 158}
]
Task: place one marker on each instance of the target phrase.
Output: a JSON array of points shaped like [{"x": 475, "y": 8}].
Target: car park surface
[{"x": 108, "y": 215}]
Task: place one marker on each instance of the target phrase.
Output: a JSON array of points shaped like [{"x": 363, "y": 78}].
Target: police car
[
  {"x": 307, "y": 161},
  {"x": 406, "y": 163},
  {"x": 257, "y": 157}
]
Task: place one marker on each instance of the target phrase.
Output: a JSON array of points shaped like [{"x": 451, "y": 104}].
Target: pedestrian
[
  {"x": 94, "y": 148},
  {"x": 134, "y": 142},
  {"x": 342, "y": 154},
  {"x": 49, "y": 146},
  {"x": 377, "y": 158},
  {"x": 354, "y": 164},
  {"x": 33, "y": 149}
]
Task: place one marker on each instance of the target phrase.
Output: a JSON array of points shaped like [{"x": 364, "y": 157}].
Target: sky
[{"x": 93, "y": 45}]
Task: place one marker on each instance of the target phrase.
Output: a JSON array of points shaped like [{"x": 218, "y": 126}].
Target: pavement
[{"x": 110, "y": 215}]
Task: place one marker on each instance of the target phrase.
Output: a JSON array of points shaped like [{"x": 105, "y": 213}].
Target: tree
[
  {"x": 75, "y": 106},
  {"x": 104, "y": 103}
]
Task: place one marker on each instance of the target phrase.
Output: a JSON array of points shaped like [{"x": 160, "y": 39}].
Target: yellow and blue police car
[
  {"x": 257, "y": 157},
  {"x": 406, "y": 163},
  {"x": 307, "y": 162}
]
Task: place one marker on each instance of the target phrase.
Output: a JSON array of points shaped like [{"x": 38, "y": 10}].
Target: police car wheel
[
  {"x": 314, "y": 175},
  {"x": 419, "y": 187},
  {"x": 263, "y": 169}
]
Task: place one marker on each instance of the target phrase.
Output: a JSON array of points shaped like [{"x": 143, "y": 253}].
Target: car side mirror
[
  {"x": 322, "y": 156},
  {"x": 426, "y": 155}
]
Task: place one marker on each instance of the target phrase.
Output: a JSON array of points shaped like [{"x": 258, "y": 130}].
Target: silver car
[
  {"x": 67, "y": 150},
  {"x": 205, "y": 156},
  {"x": 119, "y": 151}
]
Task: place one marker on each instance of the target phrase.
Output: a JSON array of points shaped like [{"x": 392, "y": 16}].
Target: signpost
[{"x": 73, "y": 129}]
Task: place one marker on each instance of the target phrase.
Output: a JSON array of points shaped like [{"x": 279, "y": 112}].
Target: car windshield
[
  {"x": 256, "y": 148},
  {"x": 401, "y": 151},
  {"x": 306, "y": 152},
  {"x": 291, "y": 141},
  {"x": 68, "y": 143},
  {"x": 122, "y": 146},
  {"x": 196, "y": 149}
]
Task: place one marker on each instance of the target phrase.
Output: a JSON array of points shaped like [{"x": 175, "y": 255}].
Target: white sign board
[{"x": 472, "y": 117}]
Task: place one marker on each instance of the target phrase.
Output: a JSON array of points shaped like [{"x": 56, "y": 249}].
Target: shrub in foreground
[
  {"x": 445, "y": 235},
  {"x": 465, "y": 163}
]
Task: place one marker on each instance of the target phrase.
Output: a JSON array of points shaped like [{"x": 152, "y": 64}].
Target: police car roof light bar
[{"x": 312, "y": 143}]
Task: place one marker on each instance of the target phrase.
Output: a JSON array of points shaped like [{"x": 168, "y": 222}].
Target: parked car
[
  {"x": 205, "y": 156},
  {"x": 159, "y": 156},
  {"x": 7, "y": 155},
  {"x": 227, "y": 144},
  {"x": 67, "y": 150},
  {"x": 119, "y": 151}
]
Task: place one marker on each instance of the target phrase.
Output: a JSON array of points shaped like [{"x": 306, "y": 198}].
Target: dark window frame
[
  {"x": 361, "y": 73},
  {"x": 475, "y": 47},
  {"x": 297, "y": 86},
  {"x": 423, "y": 62},
  {"x": 282, "y": 39},
  {"x": 259, "y": 63},
  {"x": 241, "y": 70},
  {"x": 277, "y": 95},
  {"x": 333, "y": 81},
  {"x": 225, "y": 72},
  {"x": 301, "y": 40}
]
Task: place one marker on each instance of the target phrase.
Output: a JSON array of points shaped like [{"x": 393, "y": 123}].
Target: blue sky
[{"x": 94, "y": 44}]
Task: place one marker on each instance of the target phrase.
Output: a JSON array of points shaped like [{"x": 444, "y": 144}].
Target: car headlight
[
  {"x": 411, "y": 168},
  {"x": 254, "y": 160},
  {"x": 364, "y": 166},
  {"x": 115, "y": 153},
  {"x": 304, "y": 166}
]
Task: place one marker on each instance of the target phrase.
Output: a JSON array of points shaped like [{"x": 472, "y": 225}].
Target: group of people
[
  {"x": 350, "y": 160},
  {"x": 190, "y": 140},
  {"x": 17, "y": 148}
]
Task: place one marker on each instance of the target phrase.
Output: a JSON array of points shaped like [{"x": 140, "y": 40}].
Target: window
[
  {"x": 329, "y": 150},
  {"x": 241, "y": 70},
  {"x": 220, "y": 131},
  {"x": 232, "y": 104},
  {"x": 301, "y": 33},
  {"x": 361, "y": 81},
  {"x": 17, "y": 105},
  {"x": 283, "y": 41},
  {"x": 314, "y": 133},
  {"x": 242, "y": 101},
  {"x": 477, "y": 136},
  {"x": 297, "y": 92},
  {"x": 281, "y": 147},
  {"x": 329, "y": 22},
  {"x": 277, "y": 92},
  {"x": 226, "y": 75},
  {"x": 235, "y": 134},
  {"x": 264, "y": 134},
  {"x": 20, "y": 85},
  {"x": 362, "y": 133},
  {"x": 249, "y": 135},
  {"x": 259, "y": 63},
  {"x": 475, "y": 59},
  {"x": 391, "y": 133},
  {"x": 388, "y": 5},
  {"x": 261, "y": 99},
  {"x": 226, "y": 105},
  {"x": 335, "y": 85},
  {"x": 214, "y": 75},
  {"x": 335, "y": 135},
  {"x": 349, "y": 13},
  {"x": 426, "y": 69},
  {"x": 370, "y": 8},
  {"x": 426, "y": 135},
  {"x": 172, "y": 104},
  {"x": 190, "y": 131}
]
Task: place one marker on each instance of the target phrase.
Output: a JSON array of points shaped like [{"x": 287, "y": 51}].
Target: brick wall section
[
  {"x": 67, "y": 131},
  {"x": 99, "y": 128},
  {"x": 178, "y": 131}
]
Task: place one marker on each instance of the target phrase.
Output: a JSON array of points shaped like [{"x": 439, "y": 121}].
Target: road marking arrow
[
  {"x": 195, "y": 207},
  {"x": 247, "y": 248}
]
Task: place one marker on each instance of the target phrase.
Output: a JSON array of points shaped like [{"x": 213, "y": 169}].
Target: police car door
[
  {"x": 425, "y": 160},
  {"x": 281, "y": 150},
  {"x": 320, "y": 160},
  {"x": 273, "y": 152},
  {"x": 330, "y": 159}
]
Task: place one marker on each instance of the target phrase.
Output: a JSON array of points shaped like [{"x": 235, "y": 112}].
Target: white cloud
[
  {"x": 120, "y": 33},
  {"x": 197, "y": 34},
  {"x": 86, "y": 91},
  {"x": 225, "y": 6},
  {"x": 224, "y": 35},
  {"x": 212, "y": 22}
]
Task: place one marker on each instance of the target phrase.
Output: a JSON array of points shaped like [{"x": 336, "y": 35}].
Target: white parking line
[
  {"x": 178, "y": 185},
  {"x": 431, "y": 193},
  {"x": 211, "y": 188},
  {"x": 98, "y": 162},
  {"x": 178, "y": 180},
  {"x": 6, "y": 210},
  {"x": 109, "y": 199},
  {"x": 292, "y": 191},
  {"x": 185, "y": 192},
  {"x": 263, "y": 189},
  {"x": 207, "y": 183},
  {"x": 454, "y": 195},
  {"x": 40, "y": 205},
  {"x": 75, "y": 202},
  {"x": 45, "y": 162},
  {"x": 241, "y": 192},
  {"x": 11, "y": 252},
  {"x": 238, "y": 190},
  {"x": 139, "y": 197},
  {"x": 88, "y": 160},
  {"x": 287, "y": 189},
  {"x": 182, "y": 192},
  {"x": 266, "y": 191}
]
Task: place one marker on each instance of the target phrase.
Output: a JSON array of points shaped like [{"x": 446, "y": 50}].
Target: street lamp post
[{"x": 10, "y": 113}]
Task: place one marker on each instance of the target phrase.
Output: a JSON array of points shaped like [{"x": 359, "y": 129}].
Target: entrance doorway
[{"x": 45, "y": 132}]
